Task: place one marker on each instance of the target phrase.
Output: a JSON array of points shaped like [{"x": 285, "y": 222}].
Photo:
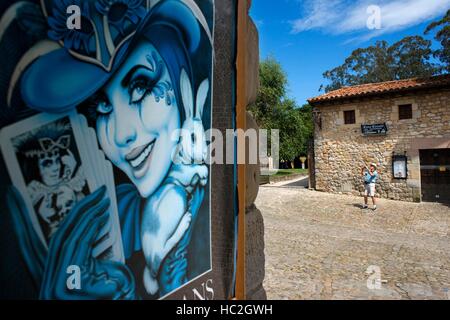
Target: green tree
[
  {"x": 287, "y": 118},
  {"x": 443, "y": 37},
  {"x": 272, "y": 91},
  {"x": 411, "y": 58},
  {"x": 407, "y": 58},
  {"x": 275, "y": 110},
  {"x": 306, "y": 115}
]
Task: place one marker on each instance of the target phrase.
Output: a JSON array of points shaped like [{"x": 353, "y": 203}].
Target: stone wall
[
  {"x": 254, "y": 251},
  {"x": 341, "y": 150}
]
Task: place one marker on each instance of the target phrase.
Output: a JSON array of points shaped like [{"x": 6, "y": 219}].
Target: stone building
[{"x": 403, "y": 126}]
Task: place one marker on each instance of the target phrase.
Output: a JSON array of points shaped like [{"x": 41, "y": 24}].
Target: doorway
[{"x": 435, "y": 175}]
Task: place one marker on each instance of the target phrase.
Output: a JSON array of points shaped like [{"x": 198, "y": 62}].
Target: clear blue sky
[{"x": 309, "y": 37}]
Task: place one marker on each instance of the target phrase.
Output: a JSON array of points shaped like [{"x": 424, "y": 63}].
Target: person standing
[{"x": 370, "y": 178}]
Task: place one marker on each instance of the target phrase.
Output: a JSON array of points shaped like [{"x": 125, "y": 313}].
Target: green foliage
[
  {"x": 273, "y": 80},
  {"x": 288, "y": 172},
  {"x": 272, "y": 90},
  {"x": 306, "y": 114},
  {"x": 407, "y": 58},
  {"x": 274, "y": 110},
  {"x": 411, "y": 58},
  {"x": 443, "y": 37}
]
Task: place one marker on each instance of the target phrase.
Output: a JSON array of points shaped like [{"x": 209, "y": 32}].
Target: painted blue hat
[{"x": 76, "y": 63}]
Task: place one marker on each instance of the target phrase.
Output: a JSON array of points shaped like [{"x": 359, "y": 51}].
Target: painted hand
[
  {"x": 69, "y": 164},
  {"x": 72, "y": 245},
  {"x": 45, "y": 209}
]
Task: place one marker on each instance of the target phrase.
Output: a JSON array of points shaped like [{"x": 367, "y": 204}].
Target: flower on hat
[
  {"x": 77, "y": 39},
  {"x": 122, "y": 14}
]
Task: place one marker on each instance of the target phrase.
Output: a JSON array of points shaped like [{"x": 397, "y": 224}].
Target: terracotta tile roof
[{"x": 372, "y": 89}]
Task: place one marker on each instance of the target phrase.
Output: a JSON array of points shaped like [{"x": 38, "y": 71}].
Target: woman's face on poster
[
  {"x": 50, "y": 168},
  {"x": 137, "y": 115}
]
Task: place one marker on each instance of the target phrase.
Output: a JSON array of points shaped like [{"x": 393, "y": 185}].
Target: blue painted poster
[{"x": 106, "y": 195}]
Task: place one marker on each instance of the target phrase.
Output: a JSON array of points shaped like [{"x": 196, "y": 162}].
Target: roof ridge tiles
[{"x": 381, "y": 87}]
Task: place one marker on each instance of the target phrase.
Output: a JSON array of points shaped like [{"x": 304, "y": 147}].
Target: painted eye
[
  {"x": 104, "y": 108},
  {"x": 138, "y": 93},
  {"x": 46, "y": 163}
]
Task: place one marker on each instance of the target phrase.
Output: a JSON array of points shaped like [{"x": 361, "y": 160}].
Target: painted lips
[{"x": 139, "y": 157}]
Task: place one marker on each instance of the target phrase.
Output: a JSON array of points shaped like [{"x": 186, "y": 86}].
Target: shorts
[{"x": 369, "y": 190}]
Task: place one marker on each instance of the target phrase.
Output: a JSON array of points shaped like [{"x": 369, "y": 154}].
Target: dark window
[
  {"x": 349, "y": 117},
  {"x": 405, "y": 111}
]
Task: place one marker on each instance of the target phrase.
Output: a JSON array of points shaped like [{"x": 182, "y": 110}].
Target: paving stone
[{"x": 320, "y": 246}]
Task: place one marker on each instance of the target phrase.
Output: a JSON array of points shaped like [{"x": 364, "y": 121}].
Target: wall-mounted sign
[
  {"x": 374, "y": 129},
  {"x": 400, "y": 167}
]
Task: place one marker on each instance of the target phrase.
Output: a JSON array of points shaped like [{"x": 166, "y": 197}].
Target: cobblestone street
[{"x": 319, "y": 246}]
